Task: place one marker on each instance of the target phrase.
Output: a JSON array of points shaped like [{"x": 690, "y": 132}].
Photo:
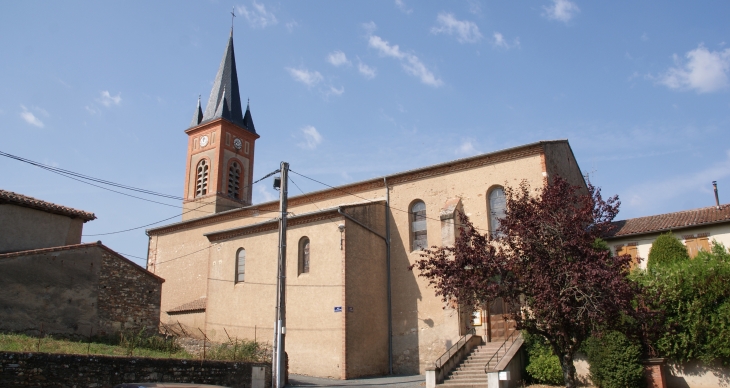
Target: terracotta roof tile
[
  {"x": 671, "y": 221},
  {"x": 25, "y": 201},
  {"x": 196, "y": 305}
]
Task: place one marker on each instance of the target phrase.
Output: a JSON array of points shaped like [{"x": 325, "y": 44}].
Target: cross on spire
[{"x": 233, "y": 15}]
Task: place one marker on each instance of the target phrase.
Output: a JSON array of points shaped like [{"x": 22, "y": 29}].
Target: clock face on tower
[
  {"x": 237, "y": 143},
  {"x": 204, "y": 141}
]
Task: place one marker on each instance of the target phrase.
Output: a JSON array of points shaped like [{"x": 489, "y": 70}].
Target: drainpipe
[{"x": 387, "y": 265}]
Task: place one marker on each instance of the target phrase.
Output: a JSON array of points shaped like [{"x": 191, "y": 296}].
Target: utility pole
[{"x": 279, "y": 357}]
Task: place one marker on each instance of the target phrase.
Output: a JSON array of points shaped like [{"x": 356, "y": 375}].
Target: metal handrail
[
  {"x": 455, "y": 347},
  {"x": 496, "y": 354}
]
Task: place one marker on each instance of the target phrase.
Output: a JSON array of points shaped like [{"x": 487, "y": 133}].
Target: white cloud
[
  {"x": 475, "y": 7},
  {"x": 644, "y": 37},
  {"x": 309, "y": 78},
  {"x": 705, "y": 71},
  {"x": 403, "y": 7},
  {"x": 370, "y": 27},
  {"x": 107, "y": 99},
  {"x": 264, "y": 194},
  {"x": 649, "y": 194},
  {"x": 257, "y": 16},
  {"x": 466, "y": 148},
  {"x": 312, "y": 138},
  {"x": 290, "y": 26},
  {"x": 338, "y": 58},
  {"x": 30, "y": 118},
  {"x": 500, "y": 41},
  {"x": 561, "y": 10},
  {"x": 334, "y": 91},
  {"x": 367, "y": 71},
  {"x": 91, "y": 109},
  {"x": 411, "y": 64},
  {"x": 466, "y": 31}
]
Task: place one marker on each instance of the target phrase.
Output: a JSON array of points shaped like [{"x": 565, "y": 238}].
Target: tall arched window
[
  {"x": 240, "y": 265},
  {"x": 304, "y": 255},
  {"x": 201, "y": 182},
  {"x": 234, "y": 179},
  {"x": 497, "y": 208},
  {"x": 419, "y": 237}
]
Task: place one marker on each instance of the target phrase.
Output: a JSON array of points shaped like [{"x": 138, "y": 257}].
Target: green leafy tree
[
  {"x": 542, "y": 365},
  {"x": 666, "y": 249},
  {"x": 615, "y": 361},
  {"x": 694, "y": 298}
]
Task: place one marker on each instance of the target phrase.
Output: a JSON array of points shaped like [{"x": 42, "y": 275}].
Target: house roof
[
  {"x": 97, "y": 244},
  {"x": 9, "y": 197},
  {"x": 671, "y": 221},
  {"x": 196, "y": 305}
]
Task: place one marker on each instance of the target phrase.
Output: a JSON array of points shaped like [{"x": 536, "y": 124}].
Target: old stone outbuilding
[{"x": 53, "y": 283}]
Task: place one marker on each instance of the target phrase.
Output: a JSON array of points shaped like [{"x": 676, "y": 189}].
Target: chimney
[{"x": 717, "y": 198}]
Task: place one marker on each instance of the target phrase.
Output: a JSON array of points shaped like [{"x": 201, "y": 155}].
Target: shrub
[
  {"x": 542, "y": 365},
  {"x": 694, "y": 298},
  {"x": 666, "y": 249},
  {"x": 615, "y": 362}
]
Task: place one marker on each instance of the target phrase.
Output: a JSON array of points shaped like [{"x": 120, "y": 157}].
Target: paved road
[{"x": 415, "y": 381}]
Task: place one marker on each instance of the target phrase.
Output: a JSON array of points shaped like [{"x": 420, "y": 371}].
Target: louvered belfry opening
[
  {"x": 234, "y": 178},
  {"x": 201, "y": 187}
]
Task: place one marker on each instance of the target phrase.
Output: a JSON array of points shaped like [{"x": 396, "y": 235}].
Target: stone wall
[
  {"x": 129, "y": 296},
  {"x": 65, "y": 370}
]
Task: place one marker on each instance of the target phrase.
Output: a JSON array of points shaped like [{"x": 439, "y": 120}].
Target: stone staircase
[{"x": 470, "y": 373}]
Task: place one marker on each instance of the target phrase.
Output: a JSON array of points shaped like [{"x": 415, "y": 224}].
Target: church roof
[
  {"x": 225, "y": 98},
  {"x": 9, "y": 197},
  {"x": 670, "y": 221}
]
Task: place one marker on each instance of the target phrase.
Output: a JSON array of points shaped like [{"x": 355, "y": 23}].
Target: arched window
[
  {"x": 234, "y": 179},
  {"x": 240, "y": 265},
  {"x": 201, "y": 182},
  {"x": 419, "y": 238},
  {"x": 497, "y": 208},
  {"x": 304, "y": 255}
]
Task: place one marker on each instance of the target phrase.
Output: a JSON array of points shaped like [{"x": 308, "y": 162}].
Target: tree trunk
[{"x": 566, "y": 362}]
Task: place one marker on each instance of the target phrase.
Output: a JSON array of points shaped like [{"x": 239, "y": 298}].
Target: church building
[{"x": 353, "y": 306}]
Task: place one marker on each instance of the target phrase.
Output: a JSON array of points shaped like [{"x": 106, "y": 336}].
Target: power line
[
  {"x": 177, "y": 215},
  {"x": 84, "y": 178}
]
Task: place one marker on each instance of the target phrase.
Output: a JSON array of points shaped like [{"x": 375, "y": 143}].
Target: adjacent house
[
  {"x": 52, "y": 283},
  {"x": 696, "y": 228}
]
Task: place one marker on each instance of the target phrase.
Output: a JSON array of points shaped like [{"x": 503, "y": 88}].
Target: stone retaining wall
[{"x": 77, "y": 371}]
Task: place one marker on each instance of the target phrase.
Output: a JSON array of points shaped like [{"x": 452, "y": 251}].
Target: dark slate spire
[
  {"x": 225, "y": 91},
  {"x": 248, "y": 120},
  {"x": 198, "y": 116}
]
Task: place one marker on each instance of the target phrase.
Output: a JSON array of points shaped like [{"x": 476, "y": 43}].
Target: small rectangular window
[
  {"x": 195, "y": 143},
  {"x": 246, "y": 148},
  {"x": 228, "y": 139},
  {"x": 212, "y": 138}
]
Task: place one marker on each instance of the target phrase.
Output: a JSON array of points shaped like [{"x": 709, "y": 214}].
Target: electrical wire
[{"x": 178, "y": 215}]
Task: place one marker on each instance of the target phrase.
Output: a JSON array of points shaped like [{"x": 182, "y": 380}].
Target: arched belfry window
[
  {"x": 419, "y": 237},
  {"x": 304, "y": 255},
  {"x": 234, "y": 179},
  {"x": 240, "y": 265},
  {"x": 497, "y": 208},
  {"x": 201, "y": 181}
]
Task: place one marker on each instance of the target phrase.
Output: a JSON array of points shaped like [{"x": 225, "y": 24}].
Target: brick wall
[
  {"x": 129, "y": 296},
  {"x": 65, "y": 370}
]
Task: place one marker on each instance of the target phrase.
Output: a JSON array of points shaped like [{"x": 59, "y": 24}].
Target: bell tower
[{"x": 221, "y": 148}]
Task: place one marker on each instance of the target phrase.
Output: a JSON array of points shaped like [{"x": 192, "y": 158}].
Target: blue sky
[{"x": 346, "y": 91}]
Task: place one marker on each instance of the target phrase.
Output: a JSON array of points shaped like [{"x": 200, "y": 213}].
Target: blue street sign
[{"x": 338, "y": 309}]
